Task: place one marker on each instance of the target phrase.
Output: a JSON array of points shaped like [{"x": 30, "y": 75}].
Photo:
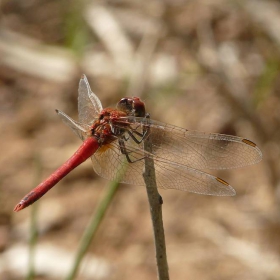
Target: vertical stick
[{"x": 155, "y": 202}]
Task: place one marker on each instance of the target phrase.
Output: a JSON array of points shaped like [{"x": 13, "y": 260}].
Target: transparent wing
[
  {"x": 108, "y": 162},
  {"x": 89, "y": 105},
  {"x": 79, "y": 129},
  {"x": 192, "y": 148}
]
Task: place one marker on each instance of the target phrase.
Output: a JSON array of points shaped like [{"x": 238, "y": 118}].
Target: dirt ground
[{"x": 203, "y": 65}]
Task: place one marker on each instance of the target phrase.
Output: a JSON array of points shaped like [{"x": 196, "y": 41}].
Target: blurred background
[{"x": 207, "y": 65}]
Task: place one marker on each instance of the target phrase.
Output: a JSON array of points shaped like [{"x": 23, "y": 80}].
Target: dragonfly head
[{"x": 132, "y": 106}]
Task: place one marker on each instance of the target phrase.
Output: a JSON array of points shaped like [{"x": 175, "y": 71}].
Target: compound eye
[
  {"x": 123, "y": 101},
  {"x": 125, "y": 104}
]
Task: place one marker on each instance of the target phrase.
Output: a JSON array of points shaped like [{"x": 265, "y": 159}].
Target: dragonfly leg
[
  {"x": 133, "y": 131},
  {"x": 142, "y": 135},
  {"x": 125, "y": 138},
  {"x": 126, "y": 153}
]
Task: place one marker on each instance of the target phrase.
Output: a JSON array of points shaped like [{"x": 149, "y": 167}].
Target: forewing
[
  {"x": 195, "y": 149},
  {"x": 79, "y": 129},
  {"x": 89, "y": 105}
]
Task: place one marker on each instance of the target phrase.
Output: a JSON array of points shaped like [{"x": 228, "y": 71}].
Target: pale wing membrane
[
  {"x": 108, "y": 164},
  {"x": 89, "y": 105},
  {"x": 196, "y": 149},
  {"x": 79, "y": 129},
  {"x": 180, "y": 177}
]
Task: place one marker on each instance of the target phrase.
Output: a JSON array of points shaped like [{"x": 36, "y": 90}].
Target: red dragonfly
[{"x": 114, "y": 137}]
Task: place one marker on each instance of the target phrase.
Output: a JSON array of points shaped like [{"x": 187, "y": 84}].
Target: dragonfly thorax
[{"x": 104, "y": 130}]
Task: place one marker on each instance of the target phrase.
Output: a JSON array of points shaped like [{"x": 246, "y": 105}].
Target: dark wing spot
[
  {"x": 248, "y": 142},
  {"x": 222, "y": 181}
]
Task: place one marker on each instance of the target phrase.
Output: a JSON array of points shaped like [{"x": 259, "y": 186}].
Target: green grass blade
[{"x": 94, "y": 223}]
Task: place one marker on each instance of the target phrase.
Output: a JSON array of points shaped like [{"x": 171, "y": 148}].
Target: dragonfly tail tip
[{"x": 18, "y": 207}]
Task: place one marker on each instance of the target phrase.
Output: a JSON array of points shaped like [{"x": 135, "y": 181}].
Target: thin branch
[{"x": 155, "y": 202}]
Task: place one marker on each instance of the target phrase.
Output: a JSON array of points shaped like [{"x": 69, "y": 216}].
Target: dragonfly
[{"x": 112, "y": 137}]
